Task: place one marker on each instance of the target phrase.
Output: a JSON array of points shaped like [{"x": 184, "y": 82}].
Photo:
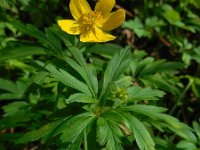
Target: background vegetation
[{"x": 141, "y": 91}]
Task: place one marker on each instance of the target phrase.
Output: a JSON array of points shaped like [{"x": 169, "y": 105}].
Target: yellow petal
[
  {"x": 69, "y": 26},
  {"x": 114, "y": 20},
  {"x": 104, "y": 6},
  {"x": 96, "y": 35},
  {"x": 78, "y": 8}
]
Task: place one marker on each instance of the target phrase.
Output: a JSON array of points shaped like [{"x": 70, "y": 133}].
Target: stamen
[
  {"x": 92, "y": 18},
  {"x": 89, "y": 20}
]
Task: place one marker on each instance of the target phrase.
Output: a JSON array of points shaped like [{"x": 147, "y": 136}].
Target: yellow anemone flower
[{"x": 93, "y": 25}]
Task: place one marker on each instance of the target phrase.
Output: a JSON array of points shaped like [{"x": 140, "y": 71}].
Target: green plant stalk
[
  {"x": 145, "y": 7},
  {"x": 85, "y": 140},
  {"x": 180, "y": 97}
]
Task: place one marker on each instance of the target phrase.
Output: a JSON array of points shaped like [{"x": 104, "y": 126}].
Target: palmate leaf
[
  {"x": 157, "y": 73},
  {"x": 20, "y": 52},
  {"x": 56, "y": 44},
  {"x": 90, "y": 136},
  {"x": 75, "y": 128},
  {"x": 102, "y": 131},
  {"x": 186, "y": 145},
  {"x": 102, "y": 49},
  {"x": 88, "y": 72},
  {"x": 37, "y": 134},
  {"x": 72, "y": 129},
  {"x": 67, "y": 79},
  {"x": 140, "y": 64},
  {"x": 137, "y": 93},
  {"x": 31, "y": 31},
  {"x": 179, "y": 128},
  {"x": 15, "y": 107},
  {"x": 170, "y": 14},
  {"x": 138, "y": 27},
  {"x": 68, "y": 40},
  {"x": 4, "y": 4},
  {"x": 109, "y": 133},
  {"x": 150, "y": 66},
  {"x": 14, "y": 120},
  {"x": 44, "y": 39},
  {"x": 160, "y": 66},
  {"x": 161, "y": 82},
  {"x": 115, "y": 68},
  {"x": 196, "y": 126},
  {"x": 40, "y": 77},
  {"x": 172, "y": 123},
  {"x": 76, "y": 144},
  {"x": 141, "y": 134},
  {"x": 13, "y": 90}
]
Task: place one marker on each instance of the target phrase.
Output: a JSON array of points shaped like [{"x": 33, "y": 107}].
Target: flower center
[{"x": 91, "y": 19}]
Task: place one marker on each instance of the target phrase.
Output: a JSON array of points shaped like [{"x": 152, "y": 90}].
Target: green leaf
[
  {"x": 20, "y": 52},
  {"x": 141, "y": 134},
  {"x": 162, "y": 82},
  {"x": 56, "y": 44},
  {"x": 37, "y": 134},
  {"x": 115, "y": 68},
  {"x": 102, "y": 131},
  {"x": 142, "y": 63},
  {"x": 68, "y": 40},
  {"x": 137, "y": 93},
  {"x": 170, "y": 14},
  {"x": 160, "y": 66},
  {"x": 138, "y": 27},
  {"x": 186, "y": 145},
  {"x": 178, "y": 127},
  {"x": 2, "y": 147},
  {"x": 90, "y": 136},
  {"x": 173, "y": 124},
  {"x": 87, "y": 72},
  {"x": 77, "y": 143},
  {"x": 68, "y": 79},
  {"x": 14, "y": 108},
  {"x": 145, "y": 108},
  {"x": 75, "y": 127},
  {"x": 14, "y": 90},
  {"x": 44, "y": 39},
  {"x": 4, "y": 4},
  {"x": 14, "y": 120},
  {"x": 196, "y": 127},
  {"x": 17, "y": 64},
  {"x": 32, "y": 31},
  {"x": 107, "y": 50},
  {"x": 40, "y": 77},
  {"x": 80, "y": 98},
  {"x": 109, "y": 133},
  {"x": 154, "y": 22}
]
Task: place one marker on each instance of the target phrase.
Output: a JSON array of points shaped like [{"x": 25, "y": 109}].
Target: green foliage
[
  {"x": 13, "y": 90},
  {"x": 140, "y": 91}
]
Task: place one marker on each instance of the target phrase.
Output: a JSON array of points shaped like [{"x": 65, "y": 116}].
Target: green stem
[
  {"x": 180, "y": 97},
  {"x": 85, "y": 140},
  {"x": 145, "y": 7}
]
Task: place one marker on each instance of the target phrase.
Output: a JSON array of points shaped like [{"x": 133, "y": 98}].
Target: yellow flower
[{"x": 93, "y": 25}]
